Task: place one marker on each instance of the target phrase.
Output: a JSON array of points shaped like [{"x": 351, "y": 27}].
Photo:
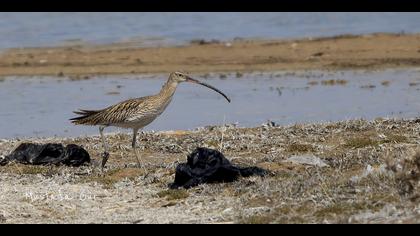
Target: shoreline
[{"x": 344, "y": 52}]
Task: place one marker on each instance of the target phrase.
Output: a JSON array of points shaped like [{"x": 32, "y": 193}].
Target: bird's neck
[{"x": 168, "y": 89}]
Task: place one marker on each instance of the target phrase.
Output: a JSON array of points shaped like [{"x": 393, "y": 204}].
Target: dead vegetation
[
  {"x": 111, "y": 177},
  {"x": 299, "y": 148},
  {"x": 333, "y": 82},
  {"x": 31, "y": 170},
  {"x": 173, "y": 194},
  {"x": 407, "y": 175},
  {"x": 360, "y": 142},
  {"x": 372, "y": 177},
  {"x": 313, "y": 83},
  {"x": 385, "y": 83}
]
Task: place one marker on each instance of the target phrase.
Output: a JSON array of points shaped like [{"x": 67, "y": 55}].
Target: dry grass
[
  {"x": 312, "y": 83},
  {"x": 395, "y": 138},
  {"x": 258, "y": 219},
  {"x": 333, "y": 82},
  {"x": 385, "y": 83},
  {"x": 173, "y": 194},
  {"x": 360, "y": 142},
  {"x": 111, "y": 177},
  {"x": 373, "y": 176},
  {"x": 299, "y": 148},
  {"x": 369, "y": 139},
  {"x": 407, "y": 175},
  {"x": 21, "y": 169}
]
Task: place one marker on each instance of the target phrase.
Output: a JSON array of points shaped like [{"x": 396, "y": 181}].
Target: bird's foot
[
  {"x": 145, "y": 175},
  {"x": 143, "y": 168},
  {"x": 105, "y": 157},
  {"x": 143, "y": 165}
]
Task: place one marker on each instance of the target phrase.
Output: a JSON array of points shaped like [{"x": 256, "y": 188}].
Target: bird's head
[{"x": 179, "y": 77}]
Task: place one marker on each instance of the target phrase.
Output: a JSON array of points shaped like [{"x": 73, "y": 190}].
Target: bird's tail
[{"x": 86, "y": 117}]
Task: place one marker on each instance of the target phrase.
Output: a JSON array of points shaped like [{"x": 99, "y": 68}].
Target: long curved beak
[{"x": 191, "y": 80}]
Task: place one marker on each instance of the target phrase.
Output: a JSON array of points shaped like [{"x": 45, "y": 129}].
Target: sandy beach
[{"x": 372, "y": 51}]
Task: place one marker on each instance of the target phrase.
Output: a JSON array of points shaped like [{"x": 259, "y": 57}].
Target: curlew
[{"x": 135, "y": 113}]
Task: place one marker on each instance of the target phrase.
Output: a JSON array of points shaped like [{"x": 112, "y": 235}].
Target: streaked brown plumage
[{"x": 134, "y": 113}]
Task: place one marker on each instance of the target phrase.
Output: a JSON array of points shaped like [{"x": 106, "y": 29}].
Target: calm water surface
[
  {"x": 27, "y": 29},
  {"x": 40, "y": 107}
]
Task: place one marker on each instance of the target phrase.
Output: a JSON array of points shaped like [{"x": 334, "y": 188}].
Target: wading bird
[{"x": 135, "y": 113}]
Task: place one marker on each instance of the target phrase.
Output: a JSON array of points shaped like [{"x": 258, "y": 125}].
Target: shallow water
[
  {"x": 41, "y": 107},
  {"x": 31, "y": 29}
]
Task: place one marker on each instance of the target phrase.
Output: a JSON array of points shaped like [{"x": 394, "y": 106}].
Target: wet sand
[
  {"x": 371, "y": 177},
  {"x": 374, "y": 51}
]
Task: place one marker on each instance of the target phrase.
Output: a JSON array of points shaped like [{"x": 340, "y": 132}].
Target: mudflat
[{"x": 372, "y": 51}]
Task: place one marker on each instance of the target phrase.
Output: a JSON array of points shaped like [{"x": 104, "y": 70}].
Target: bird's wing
[
  {"x": 118, "y": 113},
  {"x": 122, "y": 111}
]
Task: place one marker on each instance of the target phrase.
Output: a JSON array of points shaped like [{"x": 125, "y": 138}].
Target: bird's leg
[
  {"x": 105, "y": 155},
  {"x": 133, "y": 144}
]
